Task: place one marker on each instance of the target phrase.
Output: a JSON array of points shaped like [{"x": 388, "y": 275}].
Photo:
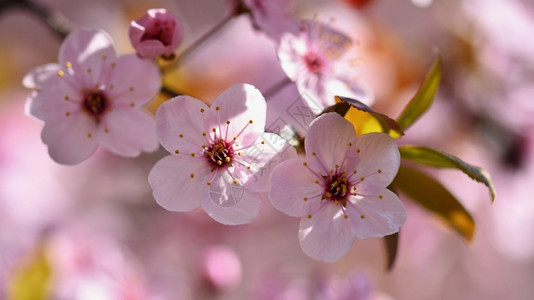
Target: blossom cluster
[{"x": 221, "y": 157}]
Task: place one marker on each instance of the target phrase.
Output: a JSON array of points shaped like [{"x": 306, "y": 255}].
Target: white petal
[
  {"x": 173, "y": 186},
  {"x": 381, "y": 216},
  {"x": 38, "y": 76},
  {"x": 128, "y": 131},
  {"x": 291, "y": 183},
  {"x": 331, "y": 138},
  {"x": 181, "y": 116},
  {"x": 326, "y": 235},
  {"x": 72, "y": 140},
  {"x": 129, "y": 86},
  {"x": 229, "y": 203},
  {"x": 240, "y": 104},
  {"x": 89, "y": 52},
  {"x": 378, "y": 159},
  {"x": 254, "y": 165}
]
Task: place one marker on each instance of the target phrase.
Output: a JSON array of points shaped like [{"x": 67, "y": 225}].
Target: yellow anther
[
  {"x": 132, "y": 104},
  {"x": 357, "y": 150},
  {"x": 66, "y": 98},
  {"x": 106, "y": 130},
  {"x": 345, "y": 216},
  {"x": 131, "y": 89},
  {"x": 217, "y": 108},
  {"x": 362, "y": 178},
  {"x": 208, "y": 183},
  {"x": 227, "y": 159},
  {"x": 379, "y": 171},
  {"x": 88, "y": 70},
  {"x": 192, "y": 154},
  {"x": 89, "y": 135},
  {"x": 250, "y": 121},
  {"x": 305, "y": 198},
  {"x": 201, "y": 110},
  {"x": 67, "y": 114},
  {"x": 181, "y": 135},
  {"x": 219, "y": 162},
  {"x": 104, "y": 56},
  {"x": 176, "y": 151},
  {"x": 60, "y": 73},
  {"x": 227, "y": 122},
  {"x": 192, "y": 175},
  {"x": 313, "y": 153},
  {"x": 204, "y": 134},
  {"x": 309, "y": 216},
  {"x": 380, "y": 196},
  {"x": 304, "y": 163},
  {"x": 362, "y": 216}
]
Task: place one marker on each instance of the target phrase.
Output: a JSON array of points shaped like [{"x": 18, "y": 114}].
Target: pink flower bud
[{"x": 157, "y": 33}]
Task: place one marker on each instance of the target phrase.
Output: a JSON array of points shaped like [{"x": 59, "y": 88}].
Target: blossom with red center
[
  {"x": 340, "y": 189},
  {"x": 157, "y": 33},
  {"x": 92, "y": 97},
  {"x": 317, "y": 60},
  {"x": 220, "y": 155}
]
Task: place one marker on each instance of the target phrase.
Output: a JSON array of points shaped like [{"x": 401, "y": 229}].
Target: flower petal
[
  {"x": 173, "y": 186},
  {"x": 88, "y": 52},
  {"x": 128, "y": 86},
  {"x": 38, "y": 76},
  {"x": 377, "y": 158},
  {"x": 326, "y": 235},
  {"x": 128, "y": 131},
  {"x": 55, "y": 101},
  {"x": 331, "y": 139},
  {"x": 230, "y": 203},
  {"x": 71, "y": 140},
  {"x": 291, "y": 183},
  {"x": 253, "y": 167},
  {"x": 240, "y": 104},
  {"x": 180, "y": 124},
  {"x": 383, "y": 214}
]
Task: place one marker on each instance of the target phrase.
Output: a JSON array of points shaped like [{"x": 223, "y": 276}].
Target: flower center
[
  {"x": 337, "y": 188},
  {"x": 314, "y": 63},
  {"x": 220, "y": 153},
  {"x": 95, "y": 103},
  {"x": 161, "y": 31}
]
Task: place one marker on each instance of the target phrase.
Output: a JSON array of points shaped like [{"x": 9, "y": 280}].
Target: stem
[
  {"x": 277, "y": 87},
  {"x": 56, "y": 21},
  {"x": 198, "y": 42}
]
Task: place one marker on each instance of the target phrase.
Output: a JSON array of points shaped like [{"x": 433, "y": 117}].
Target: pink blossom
[
  {"x": 220, "y": 156},
  {"x": 339, "y": 189},
  {"x": 316, "y": 61},
  {"x": 271, "y": 17},
  {"x": 157, "y": 33},
  {"x": 92, "y": 97}
]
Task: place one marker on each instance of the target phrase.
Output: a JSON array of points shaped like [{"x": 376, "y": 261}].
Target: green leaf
[
  {"x": 433, "y": 196},
  {"x": 365, "y": 119},
  {"x": 391, "y": 243},
  {"x": 32, "y": 280},
  {"x": 424, "y": 97},
  {"x": 435, "y": 158}
]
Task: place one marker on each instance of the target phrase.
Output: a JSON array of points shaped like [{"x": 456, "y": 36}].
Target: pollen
[
  {"x": 208, "y": 183},
  {"x": 358, "y": 151},
  {"x": 355, "y": 171},
  {"x": 309, "y": 216},
  {"x": 132, "y": 104},
  {"x": 67, "y": 114},
  {"x": 213, "y": 129},
  {"x": 227, "y": 122},
  {"x": 305, "y": 164},
  {"x": 317, "y": 181},
  {"x": 305, "y": 198},
  {"x": 106, "y": 130},
  {"x": 345, "y": 216},
  {"x": 331, "y": 171},
  {"x": 202, "y": 110},
  {"x": 66, "y": 98},
  {"x": 235, "y": 181},
  {"x": 337, "y": 166},
  {"x": 113, "y": 65},
  {"x": 192, "y": 175},
  {"x": 380, "y": 197},
  {"x": 248, "y": 167},
  {"x": 235, "y": 138},
  {"x": 192, "y": 154},
  {"x": 263, "y": 142},
  {"x": 379, "y": 171},
  {"x": 362, "y": 216},
  {"x": 104, "y": 56},
  {"x": 111, "y": 86},
  {"x": 177, "y": 151},
  {"x": 227, "y": 159},
  {"x": 313, "y": 153},
  {"x": 89, "y": 70},
  {"x": 362, "y": 179},
  {"x": 60, "y": 73},
  {"x": 350, "y": 144},
  {"x": 68, "y": 64},
  {"x": 239, "y": 153},
  {"x": 89, "y": 135},
  {"x": 217, "y": 108},
  {"x": 250, "y": 121},
  {"x": 131, "y": 89},
  {"x": 181, "y": 135}
]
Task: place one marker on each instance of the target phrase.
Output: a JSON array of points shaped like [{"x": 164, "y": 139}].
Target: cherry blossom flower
[
  {"x": 157, "y": 33},
  {"x": 92, "y": 97},
  {"x": 269, "y": 16},
  {"x": 317, "y": 61},
  {"x": 220, "y": 156},
  {"x": 339, "y": 189}
]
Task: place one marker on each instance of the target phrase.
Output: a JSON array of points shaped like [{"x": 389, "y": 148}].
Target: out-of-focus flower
[
  {"x": 315, "y": 60},
  {"x": 269, "y": 16},
  {"x": 221, "y": 268},
  {"x": 340, "y": 189},
  {"x": 92, "y": 97},
  {"x": 157, "y": 33},
  {"x": 221, "y": 155}
]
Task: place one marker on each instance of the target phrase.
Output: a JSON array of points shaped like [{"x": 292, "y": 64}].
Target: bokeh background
[{"x": 93, "y": 231}]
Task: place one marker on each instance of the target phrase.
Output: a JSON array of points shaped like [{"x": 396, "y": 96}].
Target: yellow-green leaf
[
  {"x": 435, "y": 158},
  {"x": 391, "y": 243},
  {"x": 367, "y": 120},
  {"x": 32, "y": 280},
  {"x": 433, "y": 196},
  {"x": 424, "y": 97}
]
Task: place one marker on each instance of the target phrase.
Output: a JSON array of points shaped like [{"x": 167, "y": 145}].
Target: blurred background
[{"x": 94, "y": 231}]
